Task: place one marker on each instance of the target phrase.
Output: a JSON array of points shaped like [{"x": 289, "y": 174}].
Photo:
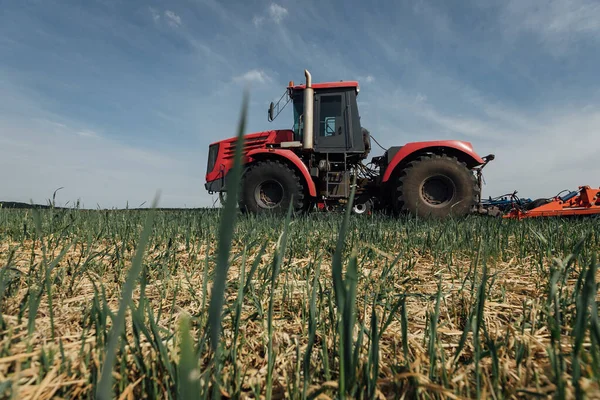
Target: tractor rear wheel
[
  {"x": 436, "y": 186},
  {"x": 269, "y": 186}
]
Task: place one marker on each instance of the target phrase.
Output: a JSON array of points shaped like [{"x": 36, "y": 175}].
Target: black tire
[
  {"x": 436, "y": 186},
  {"x": 268, "y": 187}
]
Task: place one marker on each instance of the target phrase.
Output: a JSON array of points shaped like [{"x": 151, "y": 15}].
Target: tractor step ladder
[{"x": 337, "y": 183}]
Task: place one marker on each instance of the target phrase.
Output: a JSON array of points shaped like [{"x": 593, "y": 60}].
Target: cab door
[{"x": 330, "y": 122}]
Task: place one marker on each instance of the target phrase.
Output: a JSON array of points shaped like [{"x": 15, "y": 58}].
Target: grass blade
[
  {"x": 189, "y": 373},
  {"x": 104, "y": 388},
  {"x": 226, "y": 230}
]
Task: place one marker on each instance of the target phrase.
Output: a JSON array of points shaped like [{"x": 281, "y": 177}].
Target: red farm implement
[{"x": 585, "y": 201}]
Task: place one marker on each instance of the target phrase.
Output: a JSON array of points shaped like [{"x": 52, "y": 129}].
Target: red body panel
[
  {"x": 291, "y": 156},
  {"x": 252, "y": 141},
  {"x": 408, "y": 149},
  {"x": 255, "y": 144}
]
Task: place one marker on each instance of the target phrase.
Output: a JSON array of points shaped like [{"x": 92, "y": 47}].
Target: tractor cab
[{"x": 335, "y": 127}]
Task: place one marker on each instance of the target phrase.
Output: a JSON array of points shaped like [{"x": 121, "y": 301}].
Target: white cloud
[
  {"x": 87, "y": 133},
  {"x": 363, "y": 79},
  {"x": 170, "y": 17},
  {"x": 257, "y": 21},
  {"x": 277, "y": 12},
  {"x": 557, "y": 23},
  {"x": 253, "y": 76},
  {"x": 173, "y": 19},
  {"x": 155, "y": 14}
]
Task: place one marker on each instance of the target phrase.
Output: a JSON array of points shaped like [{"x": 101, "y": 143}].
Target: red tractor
[{"x": 316, "y": 161}]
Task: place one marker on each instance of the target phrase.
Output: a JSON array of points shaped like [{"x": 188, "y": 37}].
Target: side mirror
[{"x": 271, "y": 108}]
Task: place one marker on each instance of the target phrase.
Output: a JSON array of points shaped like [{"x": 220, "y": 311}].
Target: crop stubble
[{"x": 430, "y": 273}]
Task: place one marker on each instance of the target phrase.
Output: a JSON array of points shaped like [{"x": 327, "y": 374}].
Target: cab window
[{"x": 330, "y": 116}]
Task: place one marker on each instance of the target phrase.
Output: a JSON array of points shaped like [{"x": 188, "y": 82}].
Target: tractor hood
[
  {"x": 263, "y": 137},
  {"x": 221, "y": 154}
]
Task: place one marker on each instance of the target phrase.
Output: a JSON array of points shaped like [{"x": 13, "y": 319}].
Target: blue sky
[{"x": 114, "y": 100}]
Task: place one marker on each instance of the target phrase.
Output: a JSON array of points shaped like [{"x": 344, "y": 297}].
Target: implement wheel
[
  {"x": 268, "y": 188},
  {"x": 436, "y": 186}
]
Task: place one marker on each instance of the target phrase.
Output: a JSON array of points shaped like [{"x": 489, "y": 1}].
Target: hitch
[{"x": 486, "y": 159}]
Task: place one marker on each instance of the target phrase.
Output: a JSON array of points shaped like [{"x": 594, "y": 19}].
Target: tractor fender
[
  {"x": 460, "y": 149},
  {"x": 289, "y": 156}
]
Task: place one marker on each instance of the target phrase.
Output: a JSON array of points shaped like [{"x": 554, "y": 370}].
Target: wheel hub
[
  {"x": 359, "y": 208},
  {"x": 269, "y": 194},
  {"x": 438, "y": 190}
]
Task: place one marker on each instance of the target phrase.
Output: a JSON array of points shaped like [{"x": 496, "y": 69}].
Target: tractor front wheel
[
  {"x": 436, "y": 186},
  {"x": 268, "y": 188}
]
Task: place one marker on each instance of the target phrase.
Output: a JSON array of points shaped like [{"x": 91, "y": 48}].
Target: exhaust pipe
[{"x": 308, "y": 112}]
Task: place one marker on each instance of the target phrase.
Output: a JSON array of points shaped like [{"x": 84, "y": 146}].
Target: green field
[
  {"x": 478, "y": 307},
  {"x": 212, "y": 304}
]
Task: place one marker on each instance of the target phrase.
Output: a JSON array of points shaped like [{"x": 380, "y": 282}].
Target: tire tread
[
  {"x": 299, "y": 200},
  {"x": 400, "y": 205}
]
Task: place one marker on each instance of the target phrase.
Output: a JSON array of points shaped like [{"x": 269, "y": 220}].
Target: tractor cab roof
[{"x": 326, "y": 85}]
